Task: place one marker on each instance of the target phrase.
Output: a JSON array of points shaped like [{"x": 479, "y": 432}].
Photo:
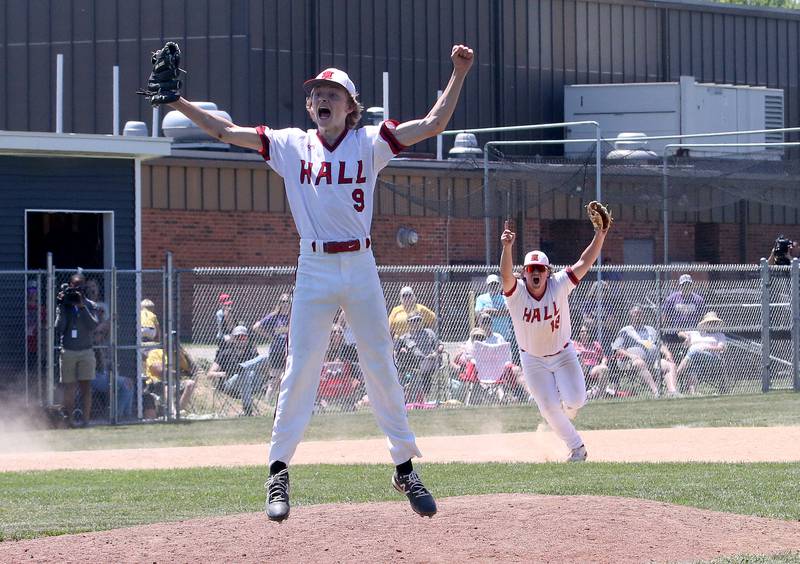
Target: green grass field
[
  {"x": 36, "y": 504},
  {"x": 775, "y": 408}
]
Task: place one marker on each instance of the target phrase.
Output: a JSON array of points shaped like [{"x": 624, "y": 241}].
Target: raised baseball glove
[
  {"x": 599, "y": 215},
  {"x": 164, "y": 84}
]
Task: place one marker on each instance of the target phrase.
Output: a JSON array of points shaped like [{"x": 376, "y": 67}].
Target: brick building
[{"x": 229, "y": 209}]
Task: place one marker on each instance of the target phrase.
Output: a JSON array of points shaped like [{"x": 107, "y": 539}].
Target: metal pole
[
  {"x": 155, "y": 121},
  {"x": 59, "y": 93},
  {"x": 664, "y": 210},
  {"x": 170, "y": 357},
  {"x": 39, "y": 339},
  {"x": 139, "y": 364},
  {"x": 439, "y": 138},
  {"x": 765, "y": 322},
  {"x": 487, "y": 202},
  {"x": 114, "y": 375},
  {"x": 115, "y": 126},
  {"x": 50, "y": 342},
  {"x": 27, "y": 344},
  {"x": 794, "y": 297},
  {"x": 385, "y": 96},
  {"x": 598, "y": 163}
]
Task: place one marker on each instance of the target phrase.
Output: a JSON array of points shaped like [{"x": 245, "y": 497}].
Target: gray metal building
[{"x": 251, "y": 56}]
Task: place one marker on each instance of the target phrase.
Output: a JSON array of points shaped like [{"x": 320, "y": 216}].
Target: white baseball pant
[
  {"x": 553, "y": 380},
  {"x": 324, "y": 283}
]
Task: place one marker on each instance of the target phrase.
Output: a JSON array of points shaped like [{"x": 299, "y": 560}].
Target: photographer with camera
[
  {"x": 76, "y": 320},
  {"x": 783, "y": 252}
]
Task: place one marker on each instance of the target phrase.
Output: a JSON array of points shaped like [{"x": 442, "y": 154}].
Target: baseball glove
[
  {"x": 599, "y": 215},
  {"x": 164, "y": 84}
]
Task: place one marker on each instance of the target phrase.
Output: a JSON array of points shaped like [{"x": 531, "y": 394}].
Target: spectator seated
[
  {"x": 339, "y": 385},
  {"x": 490, "y": 372}
]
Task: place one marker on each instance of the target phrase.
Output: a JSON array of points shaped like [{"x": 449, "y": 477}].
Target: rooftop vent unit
[
  {"x": 185, "y": 133},
  {"x": 465, "y": 146},
  {"x": 672, "y": 108},
  {"x": 631, "y": 146}
]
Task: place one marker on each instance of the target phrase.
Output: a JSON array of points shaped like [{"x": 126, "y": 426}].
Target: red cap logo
[
  {"x": 326, "y": 75},
  {"x": 535, "y": 256}
]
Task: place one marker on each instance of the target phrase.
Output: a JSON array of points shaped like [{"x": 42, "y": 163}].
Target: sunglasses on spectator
[
  {"x": 535, "y": 268},
  {"x": 406, "y": 295}
]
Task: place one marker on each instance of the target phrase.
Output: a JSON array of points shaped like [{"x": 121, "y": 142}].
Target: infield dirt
[{"x": 505, "y": 528}]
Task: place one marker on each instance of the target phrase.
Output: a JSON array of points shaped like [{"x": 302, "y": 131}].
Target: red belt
[
  {"x": 332, "y": 247},
  {"x": 559, "y": 352}
]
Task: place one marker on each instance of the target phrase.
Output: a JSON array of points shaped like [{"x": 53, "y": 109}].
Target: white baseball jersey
[
  {"x": 542, "y": 327},
  {"x": 330, "y": 188}
]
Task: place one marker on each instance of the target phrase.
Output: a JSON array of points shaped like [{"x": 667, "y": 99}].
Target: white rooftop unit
[{"x": 670, "y": 108}]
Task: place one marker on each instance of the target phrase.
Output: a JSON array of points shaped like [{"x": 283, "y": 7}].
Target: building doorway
[{"x": 76, "y": 239}]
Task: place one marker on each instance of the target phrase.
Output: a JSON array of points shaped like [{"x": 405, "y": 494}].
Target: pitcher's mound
[{"x": 480, "y": 528}]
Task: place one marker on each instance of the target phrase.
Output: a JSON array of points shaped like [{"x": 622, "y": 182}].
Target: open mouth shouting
[{"x": 324, "y": 113}]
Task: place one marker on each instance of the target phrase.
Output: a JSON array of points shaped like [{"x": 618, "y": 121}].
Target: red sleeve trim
[
  {"x": 387, "y": 134},
  {"x": 264, "y": 151},
  {"x": 575, "y": 280},
  {"x": 512, "y": 290}
]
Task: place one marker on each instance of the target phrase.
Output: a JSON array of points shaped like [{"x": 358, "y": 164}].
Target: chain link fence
[{"x": 642, "y": 331}]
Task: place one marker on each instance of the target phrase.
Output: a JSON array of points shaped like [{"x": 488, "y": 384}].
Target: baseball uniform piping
[
  {"x": 264, "y": 151},
  {"x": 388, "y": 135},
  {"x": 507, "y": 294},
  {"x": 332, "y": 148},
  {"x": 575, "y": 280}
]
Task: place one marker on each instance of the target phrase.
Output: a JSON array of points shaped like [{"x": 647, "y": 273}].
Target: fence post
[
  {"x": 765, "y": 322},
  {"x": 437, "y": 303},
  {"x": 170, "y": 358},
  {"x": 39, "y": 338},
  {"x": 112, "y": 345},
  {"x": 50, "y": 342},
  {"x": 794, "y": 299}
]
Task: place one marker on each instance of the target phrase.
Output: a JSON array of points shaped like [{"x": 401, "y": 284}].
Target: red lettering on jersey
[
  {"x": 537, "y": 315},
  {"x": 527, "y": 315},
  {"x": 305, "y": 171},
  {"x": 360, "y": 178},
  {"x": 555, "y": 309},
  {"x": 342, "y": 178},
  {"x": 324, "y": 172},
  {"x": 547, "y": 315}
]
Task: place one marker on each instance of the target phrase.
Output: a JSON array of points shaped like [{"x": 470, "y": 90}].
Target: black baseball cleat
[
  {"x": 278, "y": 496},
  {"x": 421, "y": 500}
]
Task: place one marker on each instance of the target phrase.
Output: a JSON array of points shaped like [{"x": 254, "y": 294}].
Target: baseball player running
[
  {"x": 539, "y": 309},
  {"x": 329, "y": 174}
]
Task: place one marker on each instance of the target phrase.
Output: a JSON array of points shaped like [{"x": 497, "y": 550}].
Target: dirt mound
[{"x": 510, "y": 528}]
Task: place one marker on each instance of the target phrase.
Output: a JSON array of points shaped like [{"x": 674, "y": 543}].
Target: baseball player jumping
[
  {"x": 539, "y": 309},
  {"x": 329, "y": 174}
]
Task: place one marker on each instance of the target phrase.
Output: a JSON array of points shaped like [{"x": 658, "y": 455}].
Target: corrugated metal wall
[
  {"x": 65, "y": 183},
  {"x": 251, "y": 56}
]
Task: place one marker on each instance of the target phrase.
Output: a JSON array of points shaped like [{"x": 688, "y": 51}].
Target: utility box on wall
[{"x": 671, "y": 108}]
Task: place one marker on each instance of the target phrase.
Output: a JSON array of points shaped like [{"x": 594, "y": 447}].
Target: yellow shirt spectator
[
  {"x": 155, "y": 362},
  {"x": 151, "y": 329},
  {"x": 398, "y": 317}
]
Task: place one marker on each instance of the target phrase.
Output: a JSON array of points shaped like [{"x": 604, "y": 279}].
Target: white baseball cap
[
  {"x": 331, "y": 76},
  {"x": 684, "y": 279},
  {"x": 536, "y": 257},
  {"x": 239, "y": 330},
  {"x": 492, "y": 279}
]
